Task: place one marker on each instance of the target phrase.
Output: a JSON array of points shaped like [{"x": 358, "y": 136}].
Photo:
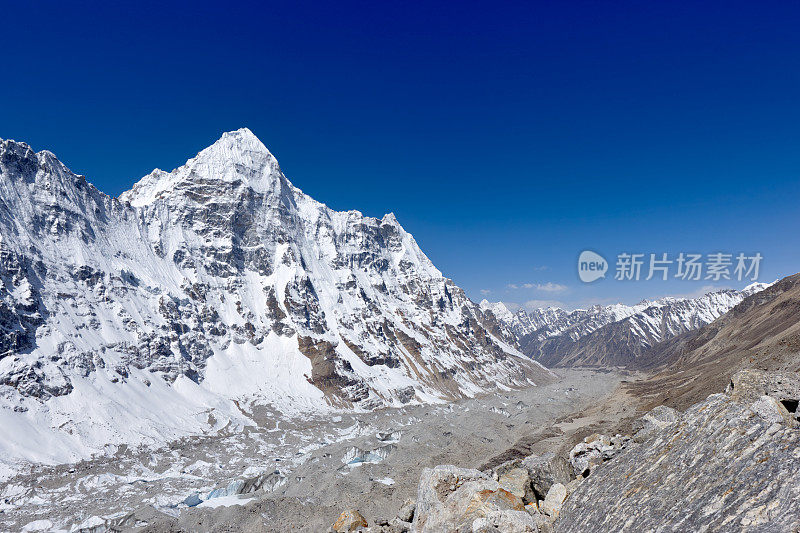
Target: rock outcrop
[
  {"x": 453, "y": 499},
  {"x": 349, "y": 520},
  {"x": 595, "y": 450},
  {"x": 465, "y": 500},
  {"x": 722, "y": 465},
  {"x": 751, "y": 384},
  {"x": 728, "y": 463}
]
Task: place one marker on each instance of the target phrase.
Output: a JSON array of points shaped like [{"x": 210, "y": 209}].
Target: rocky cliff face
[
  {"x": 722, "y": 465},
  {"x": 614, "y": 335},
  {"x": 217, "y": 281},
  {"x": 544, "y": 322}
]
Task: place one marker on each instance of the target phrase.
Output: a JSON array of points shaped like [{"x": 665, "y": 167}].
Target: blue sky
[{"x": 507, "y": 137}]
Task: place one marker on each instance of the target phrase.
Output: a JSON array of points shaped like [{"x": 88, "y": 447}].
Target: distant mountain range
[
  {"x": 762, "y": 332},
  {"x": 612, "y": 335}
]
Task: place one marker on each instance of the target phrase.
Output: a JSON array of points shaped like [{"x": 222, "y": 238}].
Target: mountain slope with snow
[
  {"x": 612, "y": 335},
  {"x": 209, "y": 288}
]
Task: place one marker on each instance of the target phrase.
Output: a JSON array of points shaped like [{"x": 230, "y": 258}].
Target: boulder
[
  {"x": 546, "y": 470},
  {"x": 451, "y": 498},
  {"x": 399, "y": 526},
  {"x": 502, "y": 468},
  {"x": 554, "y": 500},
  {"x": 593, "y": 451},
  {"x": 654, "y": 421},
  {"x": 437, "y": 484},
  {"x": 406, "y": 513},
  {"x": 349, "y": 520},
  {"x": 517, "y": 481},
  {"x": 584, "y": 457},
  {"x": 772, "y": 411},
  {"x": 505, "y": 522}
]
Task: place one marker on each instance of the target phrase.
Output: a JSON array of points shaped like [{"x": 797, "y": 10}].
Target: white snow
[
  {"x": 225, "y": 501},
  {"x": 38, "y": 525},
  {"x": 127, "y": 351},
  {"x": 650, "y": 320}
]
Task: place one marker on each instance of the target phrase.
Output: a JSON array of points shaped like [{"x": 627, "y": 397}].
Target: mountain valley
[{"x": 214, "y": 350}]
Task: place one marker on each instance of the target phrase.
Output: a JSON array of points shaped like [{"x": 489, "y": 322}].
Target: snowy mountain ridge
[
  {"x": 212, "y": 288},
  {"x": 612, "y": 334}
]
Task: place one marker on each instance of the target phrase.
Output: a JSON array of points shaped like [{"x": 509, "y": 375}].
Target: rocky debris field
[
  {"x": 527, "y": 462},
  {"x": 728, "y": 463},
  {"x": 296, "y": 475}
]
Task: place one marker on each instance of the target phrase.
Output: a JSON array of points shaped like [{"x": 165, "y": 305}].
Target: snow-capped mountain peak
[
  {"x": 501, "y": 312},
  {"x": 218, "y": 281},
  {"x": 238, "y": 158}
]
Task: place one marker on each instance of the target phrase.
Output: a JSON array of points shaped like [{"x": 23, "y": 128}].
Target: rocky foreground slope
[
  {"x": 160, "y": 314},
  {"x": 721, "y": 462},
  {"x": 728, "y": 463}
]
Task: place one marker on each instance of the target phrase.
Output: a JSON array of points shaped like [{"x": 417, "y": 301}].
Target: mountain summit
[
  {"x": 143, "y": 319},
  {"x": 238, "y": 157}
]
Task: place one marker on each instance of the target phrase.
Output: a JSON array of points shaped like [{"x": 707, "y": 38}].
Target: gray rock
[
  {"x": 406, "y": 513},
  {"x": 554, "y": 500},
  {"x": 400, "y": 526},
  {"x": 654, "y": 421},
  {"x": 546, "y": 470},
  {"x": 595, "y": 450},
  {"x": 772, "y": 411},
  {"x": 502, "y": 468},
  {"x": 585, "y": 456},
  {"x": 747, "y": 386},
  {"x": 727, "y": 469},
  {"x": 517, "y": 481},
  {"x": 572, "y": 485},
  {"x": 451, "y": 498},
  {"x": 505, "y": 522}
]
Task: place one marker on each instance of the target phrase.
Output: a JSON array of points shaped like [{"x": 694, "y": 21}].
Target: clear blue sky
[{"x": 507, "y": 137}]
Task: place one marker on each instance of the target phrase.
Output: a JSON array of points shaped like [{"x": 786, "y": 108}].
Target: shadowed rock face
[
  {"x": 722, "y": 466},
  {"x": 21, "y": 307}
]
